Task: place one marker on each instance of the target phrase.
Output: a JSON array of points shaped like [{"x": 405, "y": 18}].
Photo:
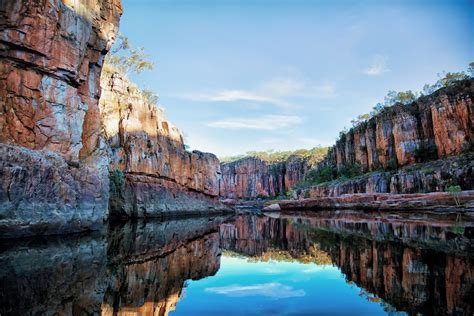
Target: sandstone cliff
[
  {"x": 152, "y": 173},
  {"x": 252, "y": 177},
  {"x": 425, "y": 146},
  {"x": 53, "y": 167}
]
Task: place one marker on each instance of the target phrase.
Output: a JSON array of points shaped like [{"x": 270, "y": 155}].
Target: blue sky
[{"x": 236, "y": 76}]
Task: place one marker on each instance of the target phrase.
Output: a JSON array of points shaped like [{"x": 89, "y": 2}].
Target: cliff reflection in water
[{"x": 414, "y": 263}]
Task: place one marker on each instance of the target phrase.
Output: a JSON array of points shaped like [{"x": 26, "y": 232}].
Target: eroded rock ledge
[{"x": 152, "y": 173}]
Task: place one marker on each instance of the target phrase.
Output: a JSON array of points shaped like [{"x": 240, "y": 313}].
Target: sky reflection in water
[{"x": 246, "y": 287}]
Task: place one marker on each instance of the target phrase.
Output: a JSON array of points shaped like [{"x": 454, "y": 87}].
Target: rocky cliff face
[
  {"x": 52, "y": 159},
  {"x": 253, "y": 177},
  {"x": 433, "y": 127},
  {"x": 159, "y": 176},
  {"x": 435, "y": 176},
  {"x": 399, "y": 145}
]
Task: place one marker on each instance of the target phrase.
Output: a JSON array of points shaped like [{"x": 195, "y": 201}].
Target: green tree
[
  {"x": 455, "y": 192},
  {"x": 360, "y": 119},
  {"x": 470, "y": 70},
  {"x": 126, "y": 59}
]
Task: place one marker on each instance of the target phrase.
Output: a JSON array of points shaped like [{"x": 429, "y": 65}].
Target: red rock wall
[
  {"x": 444, "y": 119},
  {"x": 161, "y": 176},
  {"x": 390, "y": 144},
  {"x": 252, "y": 177},
  {"x": 51, "y": 58}
]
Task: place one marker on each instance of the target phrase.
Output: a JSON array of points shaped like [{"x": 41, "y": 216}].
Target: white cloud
[
  {"x": 307, "y": 141},
  {"x": 273, "y": 290},
  {"x": 283, "y": 86},
  {"x": 266, "y": 122},
  {"x": 378, "y": 66},
  {"x": 277, "y": 91}
]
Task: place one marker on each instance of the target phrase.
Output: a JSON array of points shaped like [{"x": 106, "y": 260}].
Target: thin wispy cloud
[
  {"x": 266, "y": 122},
  {"x": 378, "y": 66},
  {"x": 280, "y": 92},
  {"x": 274, "y": 290},
  {"x": 312, "y": 142}
]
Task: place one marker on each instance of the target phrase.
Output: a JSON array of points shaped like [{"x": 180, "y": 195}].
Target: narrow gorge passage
[{"x": 236, "y": 157}]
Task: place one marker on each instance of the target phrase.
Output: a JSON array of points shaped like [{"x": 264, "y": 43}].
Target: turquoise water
[{"x": 244, "y": 287}]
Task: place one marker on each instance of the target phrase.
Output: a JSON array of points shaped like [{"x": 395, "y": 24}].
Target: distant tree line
[{"x": 313, "y": 155}]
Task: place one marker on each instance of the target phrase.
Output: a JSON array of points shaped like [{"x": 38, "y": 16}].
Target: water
[{"x": 327, "y": 263}]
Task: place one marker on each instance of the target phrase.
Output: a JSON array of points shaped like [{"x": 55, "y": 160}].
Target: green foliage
[
  {"x": 149, "y": 143},
  {"x": 391, "y": 165},
  {"x": 425, "y": 151},
  {"x": 117, "y": 179},
  {"x": 125, "y": 59},
  {"x": 321, "y": 175},
  {"x": 313, "y": 155},
  {"x": 455, "y": 192},
  {"x": 149, "y": 96},
  {"x": 289, "y": 193},
  {"x": 470, "y": 70},
  {"x": 307, "y": 195},
  {"x": 350, "y": 170},
  {"x": 360, "y": 119}
]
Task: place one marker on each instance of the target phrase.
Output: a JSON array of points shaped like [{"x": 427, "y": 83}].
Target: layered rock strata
[
  {"x": 253, "y": 177},
  {"x": 434, "y": 176},
  {"x": 434, "y": 201},
  {"x": 52, "y": 159},
  {"x": 435, "y": 127},
  {"x": 153, "y": 174}
]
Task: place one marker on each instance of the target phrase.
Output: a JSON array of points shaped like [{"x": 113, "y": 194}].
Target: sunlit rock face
[
  {"x": 51, "y": 59},
  {"x": 160, "y": 175},
  {"x": 437, "y": 126},
  {"x": 252, "y": 177}
]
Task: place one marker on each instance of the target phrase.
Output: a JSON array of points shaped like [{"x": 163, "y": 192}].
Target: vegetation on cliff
[
  {"x": 405, "y": 129},
  {"x": 314, "y": 155}
]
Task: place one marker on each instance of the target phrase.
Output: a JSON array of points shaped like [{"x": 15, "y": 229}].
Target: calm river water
[{"x": 326, "y": 263}]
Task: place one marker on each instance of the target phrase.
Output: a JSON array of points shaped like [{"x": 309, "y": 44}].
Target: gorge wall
[
  {"x": 152, "y": 174},
  {"x": 59, "y": 145},
  {"x": 253, "y": 177},
  {"x": 53, "y": 162},
  {"x": 421, "y": 147},
  {"x": 425, "y": 146}
]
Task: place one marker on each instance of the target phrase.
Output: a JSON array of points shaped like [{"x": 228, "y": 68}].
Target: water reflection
[{"x": 414, "y": 263}]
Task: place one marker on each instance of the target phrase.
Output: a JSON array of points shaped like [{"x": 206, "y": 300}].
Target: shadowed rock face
[
  {"x": 136, "y": 267},
  {"x": 252, "y": 177},
  {"x": 160, "y": 175},
  {"x": 51, "y": 154}
]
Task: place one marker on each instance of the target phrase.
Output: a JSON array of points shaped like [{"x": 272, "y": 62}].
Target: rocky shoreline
[{"x": 434, "y": 201}]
